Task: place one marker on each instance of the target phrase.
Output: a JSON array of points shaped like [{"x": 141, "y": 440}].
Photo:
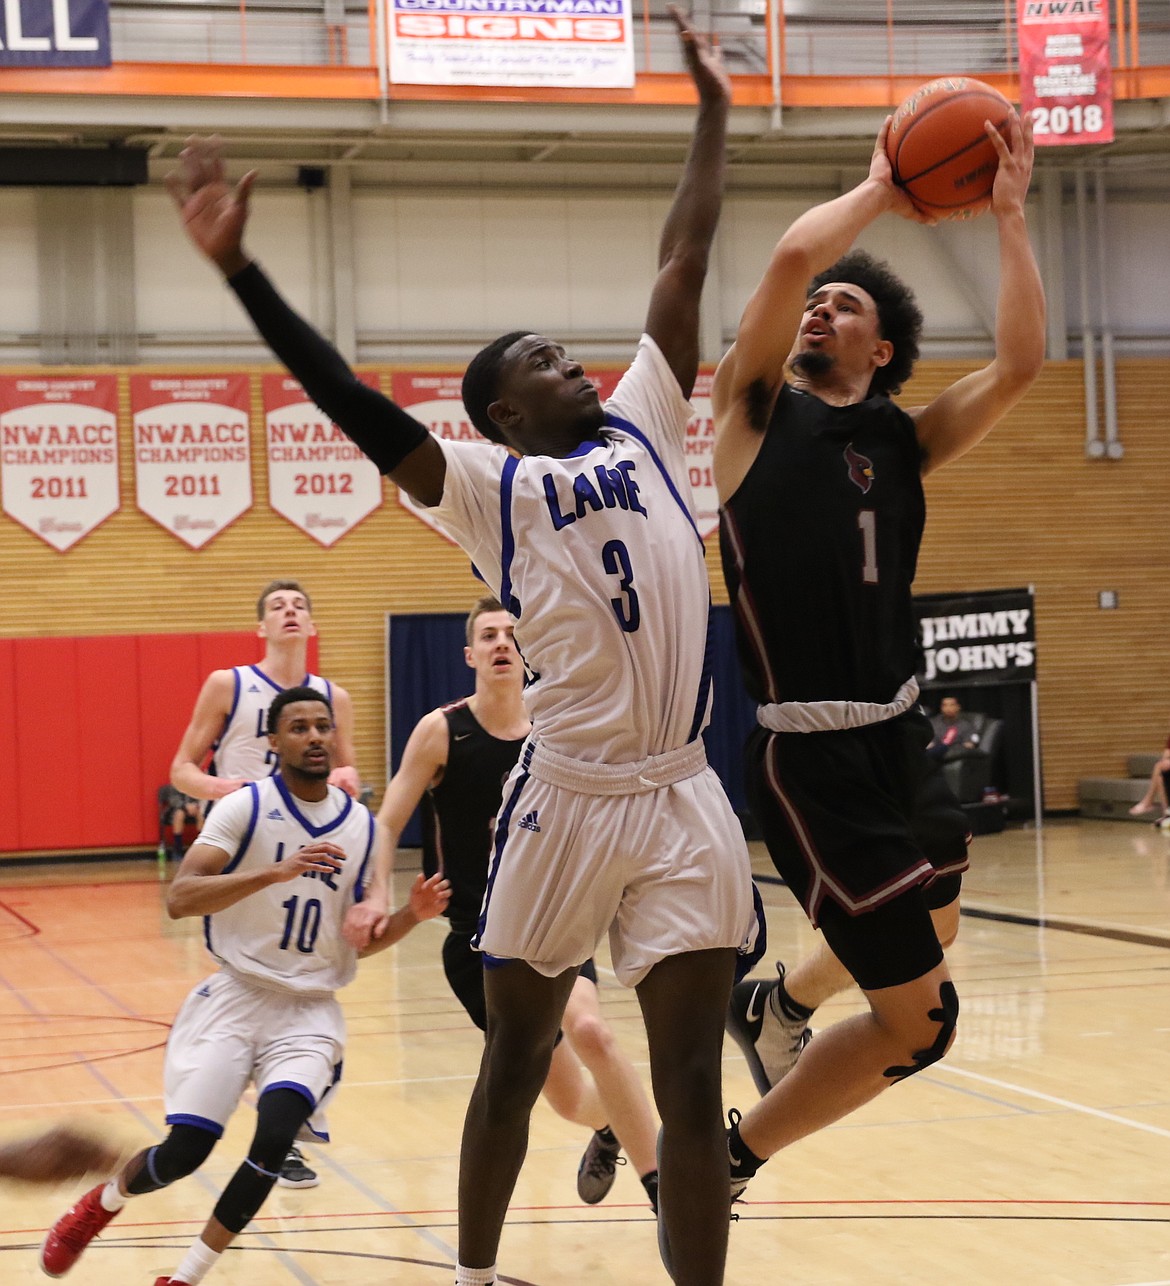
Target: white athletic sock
[
  {"x": 199, "y": 1261},
  {"x": 111, "y": 1198},
  {"x": 475, "y": 1276}
]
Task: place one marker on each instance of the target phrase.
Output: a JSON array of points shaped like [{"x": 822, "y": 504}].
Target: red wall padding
[{"x": 96, "y": 723}]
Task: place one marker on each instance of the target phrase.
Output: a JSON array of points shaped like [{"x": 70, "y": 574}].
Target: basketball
[{"x": 939, "y": 150}]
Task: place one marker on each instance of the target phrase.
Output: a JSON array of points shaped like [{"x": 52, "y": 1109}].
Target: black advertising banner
[{"x": 977, "y": 639}]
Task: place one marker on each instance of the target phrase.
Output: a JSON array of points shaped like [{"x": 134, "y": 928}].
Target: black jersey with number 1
[
  {"x": 820, "y": 545},
  {"x": 458, "y": 815}
]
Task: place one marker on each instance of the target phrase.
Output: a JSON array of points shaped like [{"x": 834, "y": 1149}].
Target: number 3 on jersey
[
  {"x": 615, "y": 558},
  {"x": 867, "y": 523}
]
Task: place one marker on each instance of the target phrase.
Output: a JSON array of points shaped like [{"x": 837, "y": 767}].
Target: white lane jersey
[
  {"x": 598, "y": 557},
  {"x": 288, "y": 935},
  {"x": 241, "y": 750}
]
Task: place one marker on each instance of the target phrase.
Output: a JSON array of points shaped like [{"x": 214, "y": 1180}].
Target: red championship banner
[
  {"x": 192, "y": 452},
  {"x": 59, "y": 454},
  {"x": 1066, "y": 79},
  {"x": 317, "y": 478},
  {"x": 434, "y": 398}
]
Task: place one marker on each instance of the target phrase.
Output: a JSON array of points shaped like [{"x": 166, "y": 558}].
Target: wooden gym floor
[{"x": 1037, "y": 1153}]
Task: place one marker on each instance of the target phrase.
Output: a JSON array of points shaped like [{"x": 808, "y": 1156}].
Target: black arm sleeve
[{"x": 380, "y": 427}]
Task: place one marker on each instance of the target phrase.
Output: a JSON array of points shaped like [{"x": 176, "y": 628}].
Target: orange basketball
[{"x": 939, "y": 150}]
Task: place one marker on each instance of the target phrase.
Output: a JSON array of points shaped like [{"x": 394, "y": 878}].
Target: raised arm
[
  {"x": 752, "y": 372},
  {"x": 214, "y": 215},
  {"x": 422, "y": 763},
  {"x": 672, "y": 319},
  {"x": 962, "y": 415}
]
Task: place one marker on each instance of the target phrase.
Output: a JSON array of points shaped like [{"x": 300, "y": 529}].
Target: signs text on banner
[
  {"x": 978, "y": 639},
  {"x": 55, "y": 33},
  {"x": 317, "y": 478},
  {"x": 586, "y": 43},
  {"x": 192, "y": 452},
  {"x": 434, "y": 398},
  {"x": 1066, "y": 79},
  {"x": 59, "y": 454}
]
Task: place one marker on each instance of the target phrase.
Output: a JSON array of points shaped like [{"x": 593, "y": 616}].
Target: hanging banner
[
  {"x": 55, "y": 33},
  {"x": 192, "y": 452},
  {"x": 317, "y": 478},
  {"x": 434, "y": 397},
  {"x": 977, "y": 639},
  {"x": 59, "y": 454},
  {"x": 554, "y": 43},
  {"x": 1066, "y": 78}
]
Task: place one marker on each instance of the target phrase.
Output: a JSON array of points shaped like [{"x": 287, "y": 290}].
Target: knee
[
  {"x": 591, "y": 1039},
  {"x": 928, "y": 1038},
  {"x": 513, "y": 1070},
  {"x": 689, "y": 1088},
  {"x": 181, "y": 1153}
]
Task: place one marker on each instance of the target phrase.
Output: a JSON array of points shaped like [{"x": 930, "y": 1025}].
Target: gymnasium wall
[{"x": 1026, "y": 507}]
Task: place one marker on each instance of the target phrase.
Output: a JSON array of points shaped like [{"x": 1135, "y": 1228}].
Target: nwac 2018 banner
[
  {"x": 978, "y": 639},
  {"x": 1066, "y": 78}
]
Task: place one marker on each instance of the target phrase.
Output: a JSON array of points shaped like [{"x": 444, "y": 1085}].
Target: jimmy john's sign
[{"x": 982, "y": 638}]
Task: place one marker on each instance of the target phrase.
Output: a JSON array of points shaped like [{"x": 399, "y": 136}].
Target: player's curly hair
[
  {"x": 481, "y": 383},
  {"x": 899, "y": 316}
]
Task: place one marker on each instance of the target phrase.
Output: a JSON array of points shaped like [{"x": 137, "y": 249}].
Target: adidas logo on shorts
[{"x": 529, "y": 822}]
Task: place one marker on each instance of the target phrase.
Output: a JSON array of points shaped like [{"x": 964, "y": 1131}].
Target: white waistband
[
  {"x": 637, "y": 778},
  {"x": 834, "y": 716}
]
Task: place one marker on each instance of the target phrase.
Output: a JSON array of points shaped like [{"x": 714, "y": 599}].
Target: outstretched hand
[
  {"x": 704, "y": 60},
  {"x": 880, "y": 171},
  {"x": 429, "y": 897},
  {"x": 1016, "y": 156},
  {"x": 213, "y": 212}
]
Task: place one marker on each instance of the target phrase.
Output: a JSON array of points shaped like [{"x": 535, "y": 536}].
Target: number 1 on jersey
[{"x": 867, "y": 522}]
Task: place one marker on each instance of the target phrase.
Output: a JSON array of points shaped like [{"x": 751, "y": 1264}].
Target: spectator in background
[
  {"x": 1158, "y": 791},
  {"x": 952, "y": 729},
  {"x": 179, "y": 810}
]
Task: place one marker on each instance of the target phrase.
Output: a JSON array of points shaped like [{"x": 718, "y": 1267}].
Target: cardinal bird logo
[{"x": 860, "y": 468}]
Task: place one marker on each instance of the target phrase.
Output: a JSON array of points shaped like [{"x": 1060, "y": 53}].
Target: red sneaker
[
  {"x": 167, "y": 1281},
  {"x": 70, "y": 1235}
]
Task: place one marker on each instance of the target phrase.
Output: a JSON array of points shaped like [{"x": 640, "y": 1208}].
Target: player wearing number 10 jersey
[
  {"x": 272, "y": 873},
  {"x": 820, "y": 478}
]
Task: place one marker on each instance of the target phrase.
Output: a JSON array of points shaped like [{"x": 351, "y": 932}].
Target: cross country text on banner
[
  {"x": 55, "y": 33},
  {"x": 976, "y": 639},
  {"x": 1066, "y": 78},
  {"x": 59, "y": 454},
  {"x": 317, "y": 478},
  {"x": 559, "y": 43},
  {"x": 434, "y": 398},
  {"x": 192, "y": 452}
]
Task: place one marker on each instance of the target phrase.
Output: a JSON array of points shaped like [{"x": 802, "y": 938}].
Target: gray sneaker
[
  {"x": 770, "y": 1044},
  {"x": 294, "y": 1173},
  {"x": 598, "y": 1169}
]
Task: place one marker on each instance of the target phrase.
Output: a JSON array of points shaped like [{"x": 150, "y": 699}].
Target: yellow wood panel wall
[{"x": 1026, "y": 508}]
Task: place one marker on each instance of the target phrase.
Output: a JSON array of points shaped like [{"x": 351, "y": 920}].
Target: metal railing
[{"x": 831, "y": 38}]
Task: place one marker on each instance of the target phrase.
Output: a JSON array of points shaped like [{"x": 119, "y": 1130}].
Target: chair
[
  {"x": 968, "y": 770},
  {"x": 170, "y": 799}
]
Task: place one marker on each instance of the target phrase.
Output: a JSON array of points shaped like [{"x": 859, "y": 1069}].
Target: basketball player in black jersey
[
  {"x": 455, "y": 763},
  {"x": 820, "y": 477}
]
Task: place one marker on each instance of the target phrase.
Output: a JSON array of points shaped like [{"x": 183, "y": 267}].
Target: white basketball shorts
[
  {"x": 663, "y": 867},
  {"x": 230, "y": 1032}
]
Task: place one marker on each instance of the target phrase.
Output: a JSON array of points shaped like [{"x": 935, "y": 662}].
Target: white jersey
[
  {"x": 288, "y": 935},
  {"x": 598, "y": 557},
  {"x": 242, "y": 751}
]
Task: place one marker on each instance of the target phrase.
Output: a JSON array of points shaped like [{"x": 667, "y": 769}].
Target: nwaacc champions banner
[
  {"x": 975, "y": 640},
  {"x": 1066, "y": 78},
  {"x": 558, "y": 43}
]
